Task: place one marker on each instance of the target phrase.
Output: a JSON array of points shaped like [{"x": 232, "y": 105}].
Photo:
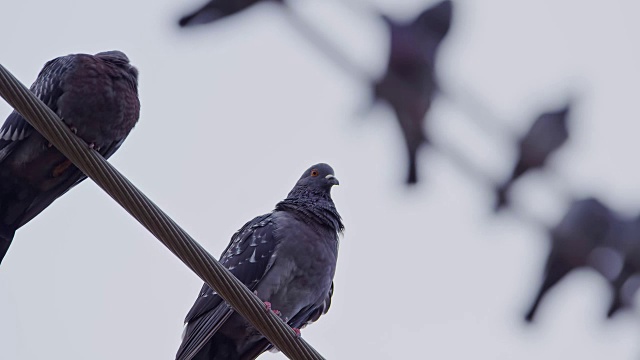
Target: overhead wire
[{"x": 90, "y": 162}]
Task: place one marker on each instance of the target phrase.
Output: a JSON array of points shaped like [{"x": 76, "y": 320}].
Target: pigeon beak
[{"x": 332, "y": 179}]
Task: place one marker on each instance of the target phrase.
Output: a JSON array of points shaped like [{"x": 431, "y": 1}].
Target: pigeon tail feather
[{"x": 5, "y": 242}]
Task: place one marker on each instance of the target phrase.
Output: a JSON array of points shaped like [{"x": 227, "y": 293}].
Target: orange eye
[{"x": 314, "y": 173}]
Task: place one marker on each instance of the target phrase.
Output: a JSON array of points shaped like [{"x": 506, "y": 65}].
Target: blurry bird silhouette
[
  {"x": 217, "y": 9},
  {"x": 626, "y": 282},
  {"x": 547, "y": 134},
  {"x": 583, "y": 229},
  {"x": 409, "y": 82}
]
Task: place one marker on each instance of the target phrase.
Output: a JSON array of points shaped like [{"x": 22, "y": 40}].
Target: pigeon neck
[{"x": 313, "y": 206}]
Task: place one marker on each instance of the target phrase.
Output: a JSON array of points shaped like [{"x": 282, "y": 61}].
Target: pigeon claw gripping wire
[
  {"x": 91, "y": 145},
  {"x": 267, "y": 306}
]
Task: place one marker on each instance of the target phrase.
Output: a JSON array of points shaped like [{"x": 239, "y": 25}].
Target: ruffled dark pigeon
[
  {"x": 287, "y": 257},
  {"x": 409, "y": 82},
  {"x": 97, "y": 97},
  {"x": 218, "y": 9},
  {"x": 547, "y": 134}
]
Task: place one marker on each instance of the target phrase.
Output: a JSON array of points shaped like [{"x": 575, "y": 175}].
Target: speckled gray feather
[
  {"x": 95, "y": 95},
  {"x": 288, "y": 257}
]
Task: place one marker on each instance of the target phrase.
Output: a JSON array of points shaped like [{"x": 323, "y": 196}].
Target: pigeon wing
[
  {"x": 47, "y": 88},
  {"x": 248, "y": 257}
]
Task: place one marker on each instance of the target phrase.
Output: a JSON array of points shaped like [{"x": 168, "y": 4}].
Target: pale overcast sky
[{"x": 233, "y": 113}]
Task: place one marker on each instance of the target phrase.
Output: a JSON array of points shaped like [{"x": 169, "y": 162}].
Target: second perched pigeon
[
  {"x": 288, "y": 257},
  {"x": 95, "y": 95},
  {"x": 547, "y": 134}
]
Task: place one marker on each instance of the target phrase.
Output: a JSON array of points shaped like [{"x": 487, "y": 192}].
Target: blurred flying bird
[
  {"x": 287, "y": 257},
  {"x": 626, "y": 282},
  {"x": 97, "y": 97},
  {"x": 217, "y": 9},
  {"x": 583, "y": 229},
  {"x": 547, "y": 134},
  {"x": 409, "y": 82}
]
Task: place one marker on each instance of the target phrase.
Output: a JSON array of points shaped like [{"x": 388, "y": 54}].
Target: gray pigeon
[
  {"x": 287, "y": 257},
  {"x": 97, "y": 97},
  {"x": 217, "y": 9},
  {"x": 409, "y": 82},
  {"x": 547, "y": 134}
]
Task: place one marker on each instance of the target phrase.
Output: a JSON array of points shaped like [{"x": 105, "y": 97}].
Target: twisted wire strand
[{"x": 154, "y": 219}]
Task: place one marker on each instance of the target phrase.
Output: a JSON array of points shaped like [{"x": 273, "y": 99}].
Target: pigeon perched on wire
[
  {"x": 97, "y": 97},
  {"x": 287, "y": 257},
  {"x": 409, "y": 82},
  {"x": 547, "y": 134},
  {"x": 583, "y": 229},
  {"x": 217, "y": 9}
]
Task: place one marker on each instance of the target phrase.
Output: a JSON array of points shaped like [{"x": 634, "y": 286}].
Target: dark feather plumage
[
  {"x": 97, "y": 96},
  {"x": 287, "y": 257}
]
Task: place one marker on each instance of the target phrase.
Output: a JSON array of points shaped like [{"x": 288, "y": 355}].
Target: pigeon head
[
  {"x": 319, "y": 176},
  {"x": 436, "y": 20},
  {"x": 119, "y": 59},
  {"x": 311, "y": 199},
  {"x": 563, "y": 113},
  {"x": 114, "y": 56}
]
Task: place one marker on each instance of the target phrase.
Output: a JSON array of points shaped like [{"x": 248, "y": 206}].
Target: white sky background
[{"x": 233, "y": 113}]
